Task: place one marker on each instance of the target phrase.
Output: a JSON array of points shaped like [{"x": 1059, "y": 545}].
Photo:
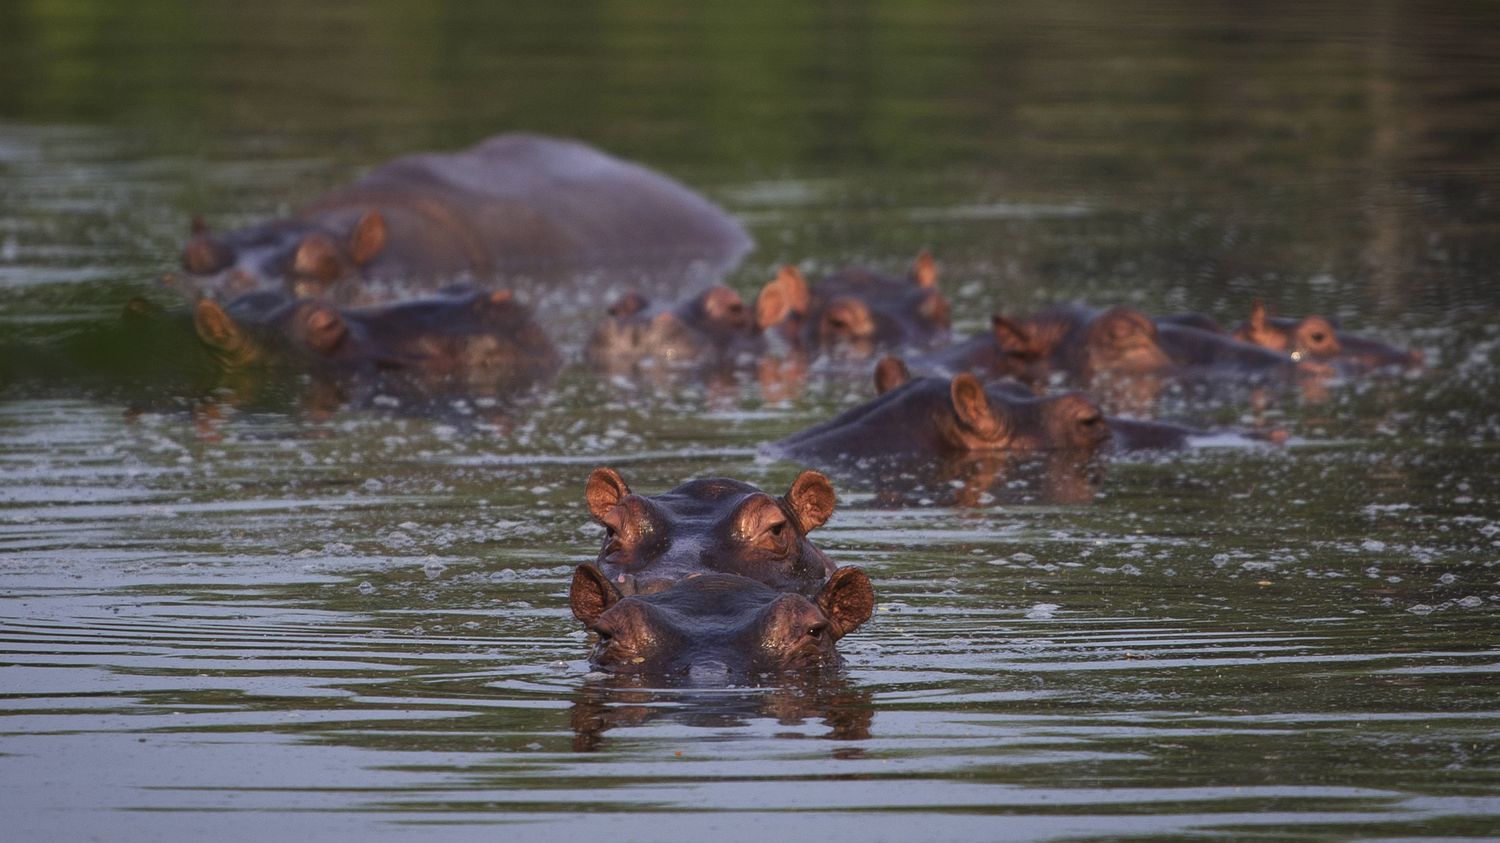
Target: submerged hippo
[
  {"x": 933, "y": 415},
  {"x": 713, "y": 329},
  {"x": 1316, "y": 339},
  {"x": 934, "y": 418},
  {"x": 712, "y": 626},
  {"x": 513, "y": 204},
  {"x": 460, "y": 336},
  {"x": 712, "y": 525},
  {"x": 856, "y": 312}
]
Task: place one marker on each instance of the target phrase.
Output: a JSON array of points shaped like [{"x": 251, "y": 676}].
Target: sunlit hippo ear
[
  {"x": 847, "y": 599},
  {"x": 604, "y": 491},
  {"x": 924, "y": 270},
  {"x": 773, "y": 305},
  {"x": 973, "y": 408},
  {"x": 794, "y": 287},
  {"x": 1259, "y": 330},
  {"x": 812, "y": 499},
  {"x": 323, "y": 328},
  {"x": 318, "y": 258},
  {"x": 890, "y": 373},
  {"x": 214, "y": 327},
  {"x": 368, "y": 239},
  {"x": 591, "y": 594}
]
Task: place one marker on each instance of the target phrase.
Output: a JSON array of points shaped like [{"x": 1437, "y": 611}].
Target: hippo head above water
[
  {"x": 713, "y": 525},
  {"x": 1316, "y": 339},
  {"x": 308, "y": 255},
  {"x": 713, "y": 327},
  {"x": 935, "y": 415},
  {"x": 711, "y": 626},
  {"x": 855, "y": 312}
]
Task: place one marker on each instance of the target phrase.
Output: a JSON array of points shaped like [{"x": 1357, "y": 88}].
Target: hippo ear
[
  {"x": 368, "y": 239},
  {"x": 1012, "y": 336},
  {"x": 772, "y": 305},
  {"x": 318, "y": 258},
  {"x": 591, "y": 594},
  {"x": 847, "y": 599},
  {"x": 204, "y": 254},
  {"x": 1258, "y": 315},
  {"x": 794, "y": 287},
  {"x": 215, "y": 328},
  {"x": 973, "y": 407},
  {"x": 628, "y": 305},
  {"x": 890, "y": 373},
  {"x": 924, "y": 270},
  {"x": 812, "y": 499},
  {"x": 604, "y": 490}
]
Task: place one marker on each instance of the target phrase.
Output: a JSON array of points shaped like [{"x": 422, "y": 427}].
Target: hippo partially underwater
[{"x": 515, "y": 204}]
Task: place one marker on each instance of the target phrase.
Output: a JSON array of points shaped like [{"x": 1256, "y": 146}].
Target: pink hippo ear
[
  {"x": 924, "y": 270},
  {"x": 1012, "y": 336},
  {"x": 847, "y": 599},
  {"x": 368, "y": 239},
  {"x": 215, "y": 327},
  {"x": 973, "y": 408},
  {"x": 203, "y": 253},
  {"x": 812, "y": 499},
  {"x": 591, "y": 594},
  {"x": 628, "y": 305},
  {"x": 318, "y": 258},
  {"x": 794, "y": 287},
  {"x": 771, "y": 306},
  {"x": 605, "y": 489},
  {"x": 890, "y": 373}
]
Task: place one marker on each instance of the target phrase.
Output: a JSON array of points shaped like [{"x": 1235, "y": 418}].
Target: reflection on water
[{"x": 252, "y": 608}]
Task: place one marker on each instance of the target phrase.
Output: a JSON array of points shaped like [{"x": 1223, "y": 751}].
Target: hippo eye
[
  {"x": 817, "y": 631},
  {"x": 1317, "y": 337},
  {"x": 1091, "y": 420}
]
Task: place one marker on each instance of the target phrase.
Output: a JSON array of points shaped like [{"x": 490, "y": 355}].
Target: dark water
[{"x": 254, "y": 618}]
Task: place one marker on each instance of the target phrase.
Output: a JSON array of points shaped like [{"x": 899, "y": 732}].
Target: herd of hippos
[{"x": 715, "y": 574}]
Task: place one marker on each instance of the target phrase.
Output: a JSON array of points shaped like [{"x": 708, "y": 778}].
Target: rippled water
[{"x": 252, "y": 618}]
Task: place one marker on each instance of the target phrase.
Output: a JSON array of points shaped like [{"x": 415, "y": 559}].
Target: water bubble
[{"x": 366, "y": 587}]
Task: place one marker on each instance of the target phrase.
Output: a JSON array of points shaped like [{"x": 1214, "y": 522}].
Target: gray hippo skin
[
  {"x": 714, "y": 626},
  {"x": 515, "y": 204}
]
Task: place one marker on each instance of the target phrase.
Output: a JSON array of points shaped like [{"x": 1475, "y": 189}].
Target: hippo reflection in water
[
  {"x": 713, "y": 525},
  {"x": 513, "y": 204},
  {"x": 710, "y": 627}
]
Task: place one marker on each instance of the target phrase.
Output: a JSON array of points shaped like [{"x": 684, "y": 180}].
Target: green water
[{"x": 255, "y": 619}]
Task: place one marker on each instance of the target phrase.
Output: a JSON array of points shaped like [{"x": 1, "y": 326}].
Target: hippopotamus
[
  {"x": 712, "y": 329},
  {"x": 1316, "y": 339},
  {"x": 932, "y": 418},
  {"x": 462, "y": 336},
  {"x": 856, "y": 311},
  {"x": 935, "y": 415},
  {"x": 713, "y": 626},
  {"x": 515, "y": 204},
  {"x": 713, "y": 525}
]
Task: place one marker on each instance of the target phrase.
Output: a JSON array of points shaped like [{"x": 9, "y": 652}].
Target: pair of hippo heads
[
  {"x": 714, "y": 578},
  {"x": 1085, "y": 346},
  {"x": 513, "y": 204},
  {"x": 462, "y": 334},
  {"x": 852, "y": 313}
]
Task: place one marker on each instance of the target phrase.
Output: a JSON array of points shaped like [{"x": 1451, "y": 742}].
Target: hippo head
[
  {"x": 855, "y": 312},
  {"x": 1315, "y": 339},
  {"x": 307, "y": 256},
  {"x": 1006, "y": 416},
  {"x": 1121, "y": 341},
  {"x": 712, "y": 326},
  {"x": 266, "y": 327},
  {"x": 712, "y": 626},
  {"x": 711, "y": 525}
]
